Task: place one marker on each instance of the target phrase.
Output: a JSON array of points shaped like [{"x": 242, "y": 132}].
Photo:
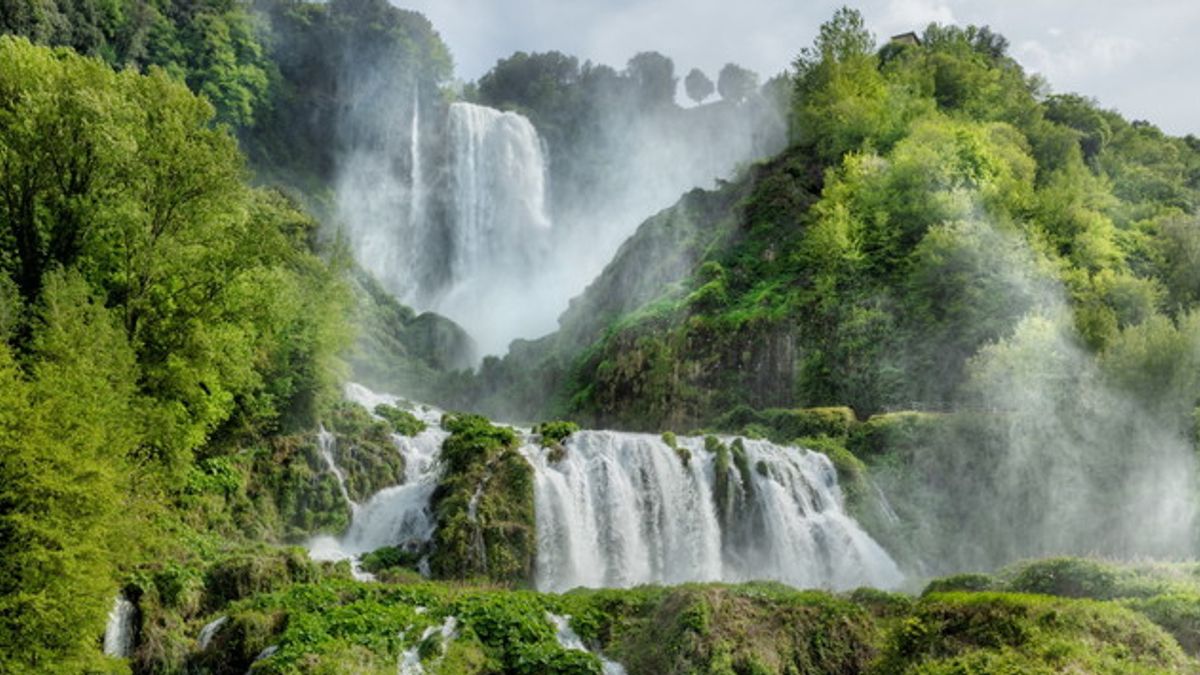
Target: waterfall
[
  {"x": 209, "y": 631},
  {"x": 499, "y": 188},
  {"x": 410, "y": 659},
  {"x": 327, "y": 443},
  {"x": 569, "y": 639},
  {"x": 118, "y": 633},
  {"x": 416, "y": 202},
  {"x": 624, "y": 509},
  {"x": 500, "y": 232},
  {"x": 398, "y": 515}
]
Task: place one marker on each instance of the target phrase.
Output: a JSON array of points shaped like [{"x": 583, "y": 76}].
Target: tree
[
  {"x": 736, "y": 83},
  {"x": 67, "y": 434},
  {"x": 124, "y": 178},
  {"x": 698, "y": 86},
  {"x": 654, "y": 80}
]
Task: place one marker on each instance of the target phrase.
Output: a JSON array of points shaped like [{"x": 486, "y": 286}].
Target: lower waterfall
[
  {"x": 118, "y": 632},
  {"x": 620, "y": 509},
  {"x": 625, "y": 509}
]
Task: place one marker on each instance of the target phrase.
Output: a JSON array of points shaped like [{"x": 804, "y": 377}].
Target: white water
[
  {"x": 327, "y": 443},
  {"x": 398, "y": 515},
  {"x": 569, "y": 639},
  {"x": 410, "y": 659},
  {"x": 416, "y": 175},
  {"x": 622, "y": 509},
  {"x": 210, "y": 631},
  {"x": 500, "y": 230},
  {"x": 118, "y": 633}
]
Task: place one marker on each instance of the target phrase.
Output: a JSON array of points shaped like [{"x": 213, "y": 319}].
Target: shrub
[{"x": 401, "y": 421}]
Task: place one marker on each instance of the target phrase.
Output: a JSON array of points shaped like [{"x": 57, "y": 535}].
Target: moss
[
  {"x": 994, "y": 632},
  {"x": 961, "y": 582},
  {"x": 1176, "y": 613},
  {"x": 850, "y": 470},
  {"x": 741, "y": 629},
  {"x": 742, "y": 462},
  {"x": 249, "y": 572},
  {"x": 364, "y": 450},
  {"x": 722, "y": 485},
  {"x": 893, "y": 432},
  {"x": 555, "y": 433},
  {"x": 684, "y": 455},
  {"x": 287, "y": 495},
  {"x": 713, "y": 444},
  {"x": 668, "y": 437},
  {"x": 788, "y": 425},
  {"x": 483, "y": 504},
  {"x": 401, "y": 421}
]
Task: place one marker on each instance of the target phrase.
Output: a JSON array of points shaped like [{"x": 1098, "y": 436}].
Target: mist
[
  {"x": 1048, "y": 451},
  {"x": 472, "y": 212}
]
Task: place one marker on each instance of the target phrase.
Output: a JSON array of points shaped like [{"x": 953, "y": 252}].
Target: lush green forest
[{"x": 970, "y": 293}]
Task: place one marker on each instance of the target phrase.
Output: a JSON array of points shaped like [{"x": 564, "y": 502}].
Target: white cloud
[
  {"x": 901, "y": 16},
  {"x": 1138, "y": 57},
  {"x": 1072, "y": 58}
]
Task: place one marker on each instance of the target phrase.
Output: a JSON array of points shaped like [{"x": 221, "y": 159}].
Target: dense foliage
[
  {"x": 1089, "y": 617},
  {"x": 156, "y": 308},
  {"x": 942, "y": 234}
]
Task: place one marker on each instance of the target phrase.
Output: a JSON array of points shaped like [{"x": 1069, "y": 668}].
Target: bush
[
  {"x": 555, "y": 433},
  {"x": 961, "y": 582},
  {"x": 890, "y": 432},
  {"x": 402, "y": 421}
]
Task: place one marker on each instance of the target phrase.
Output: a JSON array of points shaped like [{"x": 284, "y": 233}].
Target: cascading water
[
  {"x": 500, "y": 229},
  {"x": 209, "y": 631},
  {"x": 398, "y": 515},
  {"x": 569, "y": 639},
  {"x": 621, "y": 509},
  {"x": 118, "y": 633},
  {"x": 326, "y": 442},
  {"x": 410, "y": 659},
  {"x": 416, "y": 171}
]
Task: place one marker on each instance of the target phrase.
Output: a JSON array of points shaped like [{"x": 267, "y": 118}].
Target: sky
[{"x": 1141, "y": 58}]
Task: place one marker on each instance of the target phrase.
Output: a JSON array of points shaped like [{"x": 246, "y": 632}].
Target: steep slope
[{"x": 933, "y": 196}]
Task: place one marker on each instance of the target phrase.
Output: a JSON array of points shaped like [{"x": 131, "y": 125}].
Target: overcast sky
[{"x": 1142, "y": 58}]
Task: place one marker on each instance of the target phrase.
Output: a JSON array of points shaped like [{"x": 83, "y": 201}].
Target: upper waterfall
[{"x": 499, "y": 228}]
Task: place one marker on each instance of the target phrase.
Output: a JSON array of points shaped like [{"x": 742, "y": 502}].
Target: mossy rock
[
  {"x": 249, "y": 572},
  {"x": 486, "y": 525},
  {"x": 364, "y": 450},
  {"x": 971, "y": 581},
  {"x": 555, "y": 433},
  {"x": 787, "y": 425},
  {"x": 1013, "y": 633},
  {"x": 756, "y": 628},
  {"x": 402, "y": 422},
  {"x": 891, "y": 432}
]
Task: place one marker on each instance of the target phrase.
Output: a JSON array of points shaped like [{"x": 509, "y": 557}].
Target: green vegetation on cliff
[
  {"x": 933, "y": 195},
  {"x": 317, "y": 620},
  {"x": 158, "y": 313},
  {"x": 483, "y": 504}
]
